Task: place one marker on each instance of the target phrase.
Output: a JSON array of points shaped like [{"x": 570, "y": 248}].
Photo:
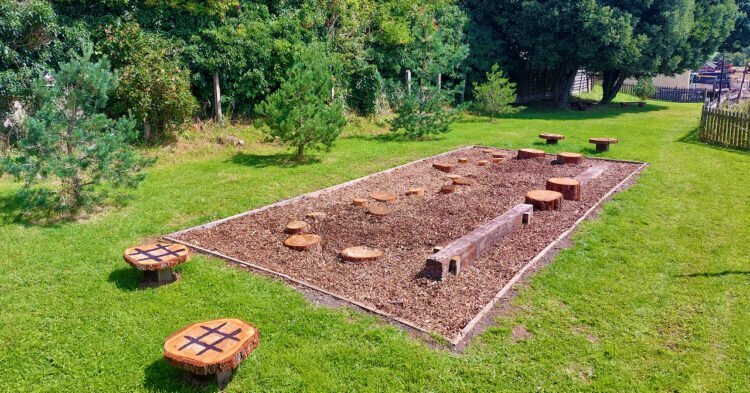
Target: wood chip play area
[{"x": 431, "y": 244}]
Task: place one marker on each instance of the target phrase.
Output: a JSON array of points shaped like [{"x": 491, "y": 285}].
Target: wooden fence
[
  {"x": 725, "y": 127},
  {"x": 672, "y": 94}
]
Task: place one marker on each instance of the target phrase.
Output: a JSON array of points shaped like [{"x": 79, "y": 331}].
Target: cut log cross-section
[
  {"x": 448, "y": 189},
  {"x": 359, "y": 202},
  {"x": 156, "y": 260},
  {"x": 463, "y": 160},
  {"x": 524, "y": 154},
  {"x": 569, "y": 158},
  {"x": 361, "y": 254},
  {"x": 417, "y": 191},
  {"x": 570, "y": 188},
  {"x": 443, "y": 167},
  {"x": 295, "y": 227},
  {"x": 212, "y": 348},
  {"x": 482, "y": 162},
  {"x": 379, "y": 210},
  {"x": 462, "y": 181},
  {"x": 462, "y": 252},
  {"x": 316, "y": 216},
  {"x": 303, "y": 242},
  {"x": 545, "y": 199},
  {"x": 383, "y": 196},
  {"x": 551, "y": 139}
]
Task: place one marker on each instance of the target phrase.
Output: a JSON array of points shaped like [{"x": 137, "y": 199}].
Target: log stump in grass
[
  {"x": 569, "y": 188},
  {"x": 545, "y": 199},
  {"x": 569, "y": 158},
  {"x": 602, "y": 144},
  {"x": 524, "y": 154},
  {"x": 157, "y": 260}
]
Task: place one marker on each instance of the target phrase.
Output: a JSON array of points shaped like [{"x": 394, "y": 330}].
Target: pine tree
[
  {"x": 69, "y": 146},
  {"x": 303, "y": 112},
  {"x": 495, "y": 96}
]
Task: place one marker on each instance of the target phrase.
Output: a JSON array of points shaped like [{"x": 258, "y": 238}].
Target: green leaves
[
  {"x": 302, "y": 112},
  {"x": 423, "y": 112},
  {"x": 495, "y": 96}
]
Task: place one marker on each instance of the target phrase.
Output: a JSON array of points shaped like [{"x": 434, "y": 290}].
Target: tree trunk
[
  {"x": 300, "y": 152},
  {"x": 218, "y": 116},
  {"x": 146, "y": 130},
  {"x": 612, "y": 81},
  {"x": 564, "y": 83}
]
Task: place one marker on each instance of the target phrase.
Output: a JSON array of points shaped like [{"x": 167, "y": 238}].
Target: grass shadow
[
  {"x": 545, "y": 112},
  {"x": 693, "y": 137},
  {"x": 13, "y": 211},
  {"x": 717, "y": 274},
  {"x": 126, "y": 279},
  {"x": 281, "y": 160},
  {"x": 395, "y": 137},
  {"x": 160, "y": 376}
]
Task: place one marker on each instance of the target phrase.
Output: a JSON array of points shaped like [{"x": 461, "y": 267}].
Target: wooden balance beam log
[
  {"x": 462, "y": 253},
  {"x": 591, "y": 173}
]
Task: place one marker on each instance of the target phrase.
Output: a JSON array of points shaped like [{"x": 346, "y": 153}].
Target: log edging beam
[{"x": 463, "y": 251}]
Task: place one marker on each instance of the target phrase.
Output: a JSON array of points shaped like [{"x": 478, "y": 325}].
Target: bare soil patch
[{"x": 393, "y": 283}]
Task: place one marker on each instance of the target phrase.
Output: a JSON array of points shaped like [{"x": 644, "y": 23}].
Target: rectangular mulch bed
[{"x": 393, "y": 285}]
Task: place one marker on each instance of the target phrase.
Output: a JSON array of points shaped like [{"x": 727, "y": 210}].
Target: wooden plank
[{"x": 463, "y": 251}]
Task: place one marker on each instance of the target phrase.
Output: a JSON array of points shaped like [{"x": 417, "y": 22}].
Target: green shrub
[
  {"x": 154, "y": 86},
  {"x": 496, "y": 96},
  {"x": 424, "y": 111},
  {"x": 69, "y": 146},
  {"x": 302, "y": 112},
  {"x": 365, "y": 88},
  {"x": 644, "y": 88}
]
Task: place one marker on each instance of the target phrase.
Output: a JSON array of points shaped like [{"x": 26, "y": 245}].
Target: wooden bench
[
  {"x": 156, "y": 260},
  {"x": 212, "y": 348},
  {"x": 602, "y": 144},
  {"x": 626, "y": 104},
  {"x": 581, "y": 106},
  {"x": 552, "y": 139}
]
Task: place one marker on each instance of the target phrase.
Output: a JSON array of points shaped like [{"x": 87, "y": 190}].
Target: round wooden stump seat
[
  {"x": 551, "y": 139},
  {"x": 443, "y": 167},
  {"x": 379, "y": 210},
  {"x": 295, "y": 227},
  {"x": 524, "y": 154},
  {"x": 570, "y": 158},
  {"x": 359, "y": 202},
  {"x": 448, "y": 189},
  {"x": 361, "y": 254},
  {"x": 383, "y": 196},
  {"x": 212, "y": 348},
  {"x": 569, "y": 188},
  {"x": 602, "y": 144},
  {"x": 302, "y": 242},
  {"x": 498, "y": 154},
  {"x": 415, "y": 191},
  {"x": 156, "y": 260},
  {"x": 482, "y": 162},
  {"x": 544, "y": 199}
]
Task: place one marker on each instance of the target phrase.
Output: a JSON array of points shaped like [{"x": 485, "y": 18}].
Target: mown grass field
[{"x": 653, "y": 296}]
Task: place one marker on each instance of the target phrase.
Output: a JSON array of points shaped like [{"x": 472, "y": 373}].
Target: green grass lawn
[{"x": 653, "y": 296}]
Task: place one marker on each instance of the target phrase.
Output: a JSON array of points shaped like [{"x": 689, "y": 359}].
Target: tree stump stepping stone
[
  {"x": 302, "y": 242},
  {"x": 443, "y": 167},
  {"x": 570, "y": 158},
  {"x": 545, "y": 199},
  {"x": 551, "y": 139},
  {"x": 487, "y": 151},
  {"x": 524, "y": 154},
  {"x": 379, "y": 210},
  {"x": 156, "y": 260},
  {"x": 359, "y": 202},
  {"x": 384, "y": 197},
  {"x": 499, "y": 155},
  {"x": 361, "y": 254},
  {"x": 295, "y": 227},
  {"x": 212, "y": 348},
  {"x": 483, "y": 163},
  {"x": 462, "y": 181},
  {"x": 316, "y": 215},
  {"x": 448, "y": 189},
  {"x": 602, "y": 144},
  {"x": 463, "y": 160},
  {"x": 454, "y": 177},
  {"x": 415, "y": 192},
  {"x": 569, "y": 188},
  {"x": 498, "y": 160}
]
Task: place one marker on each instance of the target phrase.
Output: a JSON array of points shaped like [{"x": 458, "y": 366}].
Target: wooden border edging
[{"x": 467, "y": 331}]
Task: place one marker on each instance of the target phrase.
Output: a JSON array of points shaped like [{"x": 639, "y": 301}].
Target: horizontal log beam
[
  {"x": 462, "y": 253},
  {"x": 591, "y": 173}
]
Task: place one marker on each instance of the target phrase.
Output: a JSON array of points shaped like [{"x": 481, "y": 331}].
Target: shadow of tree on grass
[{"x": 282, "y": 160}]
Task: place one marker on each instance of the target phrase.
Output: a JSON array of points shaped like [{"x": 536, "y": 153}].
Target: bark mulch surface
[{"x": 408, "y": 234}]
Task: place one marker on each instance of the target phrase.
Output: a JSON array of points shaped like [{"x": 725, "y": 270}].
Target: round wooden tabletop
[
  {"x": 210, "y": 347},
  {"x": 156, "y": 256},
  {"x": 551, "y": 136},
  {"x": 603, "y": 141}
]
